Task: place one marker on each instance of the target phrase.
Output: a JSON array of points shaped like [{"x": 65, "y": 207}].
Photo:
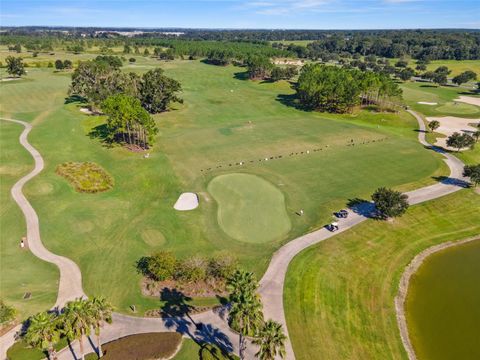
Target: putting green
[
  {"x": 250, "y": 209},
  {"x": 459, "y": 108}
]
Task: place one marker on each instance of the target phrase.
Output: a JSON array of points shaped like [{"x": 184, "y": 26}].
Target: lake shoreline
[{"x": 404, "y": 283}]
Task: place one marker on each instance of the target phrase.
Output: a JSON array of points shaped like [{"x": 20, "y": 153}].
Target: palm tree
[
  {"x": 271, "y": 340},
  {"x": 78, "y": 321},
  {"x": 43, "y": 332},
  {"x": 101, "y": 313},
  {"x": 241, "y": 282},
  {"x": 246, "y": 308}
]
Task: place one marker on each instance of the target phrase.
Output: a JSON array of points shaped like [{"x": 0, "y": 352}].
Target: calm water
[{"x": 443, "y": 305}]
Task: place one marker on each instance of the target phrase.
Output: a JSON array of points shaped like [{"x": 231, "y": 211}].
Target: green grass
[
  {"x": 107, "y": 233},
  {"x": 190, "y": 350},
  {"x": 413, "y": 92},
  {"x": 21, "y": 272},
  {"x": 339, "y": 294},
  {"x": 250, "y": 209},
  {"x": 456, "y": 66},
  {"x": 442, "y": 304},
  {"x": 22, "y": 351}
]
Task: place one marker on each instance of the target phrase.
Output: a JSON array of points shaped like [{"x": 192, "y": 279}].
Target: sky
[{"x": 256, "y": 14}]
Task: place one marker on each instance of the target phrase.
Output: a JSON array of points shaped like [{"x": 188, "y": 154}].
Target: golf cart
[
  {"x": 342, "y": 214},
  {"x": 332, "y": 227}
]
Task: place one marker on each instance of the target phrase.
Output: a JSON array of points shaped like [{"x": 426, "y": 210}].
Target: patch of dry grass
[{"x": 86, "y": 176}]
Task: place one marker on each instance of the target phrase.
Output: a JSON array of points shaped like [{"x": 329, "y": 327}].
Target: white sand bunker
[
  {"x": 451, "y": 124},
  {"x": 469, "y": 100},
  {"x": 186, "y": 201},
  {"x": 427, "y": 103}
]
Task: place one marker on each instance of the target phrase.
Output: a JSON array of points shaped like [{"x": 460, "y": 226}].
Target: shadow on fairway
[
  {"x": 290, "y": 100},
  {"x": 100, "y": 132},
  {"x": 241, "y": 75},
  {"x": 75, "y": 98}
]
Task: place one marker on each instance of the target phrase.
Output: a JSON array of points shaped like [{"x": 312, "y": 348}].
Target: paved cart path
[{"x": 211, "y": 325}]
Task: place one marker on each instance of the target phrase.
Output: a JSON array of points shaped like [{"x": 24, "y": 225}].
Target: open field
[
  {"x": 224, "y": 120},
  {"x": 339, "y": 295}
]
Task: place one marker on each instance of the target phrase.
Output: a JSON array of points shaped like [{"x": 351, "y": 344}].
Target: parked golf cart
[
  {"x": 332, "y": 227},
  {"x": 342, "y": 214}
]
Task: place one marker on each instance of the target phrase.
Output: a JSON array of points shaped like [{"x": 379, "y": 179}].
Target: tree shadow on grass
[
  {"x": 101, "y": 132},
  {"x": 243, "y": 75},
  {"x": 291, "y": 100},
  {"x": 75, "y": 98}
]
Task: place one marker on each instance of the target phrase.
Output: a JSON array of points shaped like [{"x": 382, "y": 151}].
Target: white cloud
[{"x": 281, "y": 7}]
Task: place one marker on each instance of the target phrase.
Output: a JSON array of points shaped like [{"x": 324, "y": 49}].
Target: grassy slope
[
  {"x": 21, "y": 272},
  {"x": 106, "y": 233},
  {"x": 339, "y": 294}
]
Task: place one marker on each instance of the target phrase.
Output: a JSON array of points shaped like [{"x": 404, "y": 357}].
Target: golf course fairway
[{"x": 250, "y": 209}]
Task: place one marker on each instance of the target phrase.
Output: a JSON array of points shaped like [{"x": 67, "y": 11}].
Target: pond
[{"x": 443, "y": 304}]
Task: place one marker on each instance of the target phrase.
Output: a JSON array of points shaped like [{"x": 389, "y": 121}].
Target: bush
[
  {"x": 161, "y": 266},
  {"x": 222, "y": 266},
  {"x": 7, "y": 313},
  {"x": 132, "y": 60},
  {"x": 192, "y": 269}
]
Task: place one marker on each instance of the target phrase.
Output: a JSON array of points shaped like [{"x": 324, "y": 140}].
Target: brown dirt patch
[{"x": 203, "y": 288}]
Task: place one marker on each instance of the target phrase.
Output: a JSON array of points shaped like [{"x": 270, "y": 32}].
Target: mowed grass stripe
[{"x": 339, "y": 295}]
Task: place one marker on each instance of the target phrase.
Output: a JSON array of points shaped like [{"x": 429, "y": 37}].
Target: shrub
[
  {"x": 7, "y": 313},
  {"x": 161, "y": 266},
  {"x": 473, "y": 172},
  {"x": 192, "y": 269},
  {"x": 222, "y": 266}
]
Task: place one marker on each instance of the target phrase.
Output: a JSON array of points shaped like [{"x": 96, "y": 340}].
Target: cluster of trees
[
  {"x": 461, "y": 141},
  {"x": 246, "y": 317},
  {"x": 439, "y": 76},
  {"x": 126, "y": 98},
  {"x": 473, "y": 172},
  {"x": 76, "y": 321},
  {"x": 260, "y": 68},
  {"x": 128, "y": 121},
  {"x": 15, "y": 66},
  {"x": 338, "y": 90},
  {"x": 63, "y": 65},
  {"x": 165, "y": 266},
  {"x": 97, "y": 80},
  {"x": 464, "y": 77}
]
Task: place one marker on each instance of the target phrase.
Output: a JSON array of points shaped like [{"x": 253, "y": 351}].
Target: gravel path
[{"x": 214, "y": 328}]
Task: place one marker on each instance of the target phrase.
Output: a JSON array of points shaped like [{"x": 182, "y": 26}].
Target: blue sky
[{"x": 283, "y": 14}]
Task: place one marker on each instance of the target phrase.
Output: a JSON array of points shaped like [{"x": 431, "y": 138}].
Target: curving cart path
[{"x": 214, "y": 327}]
